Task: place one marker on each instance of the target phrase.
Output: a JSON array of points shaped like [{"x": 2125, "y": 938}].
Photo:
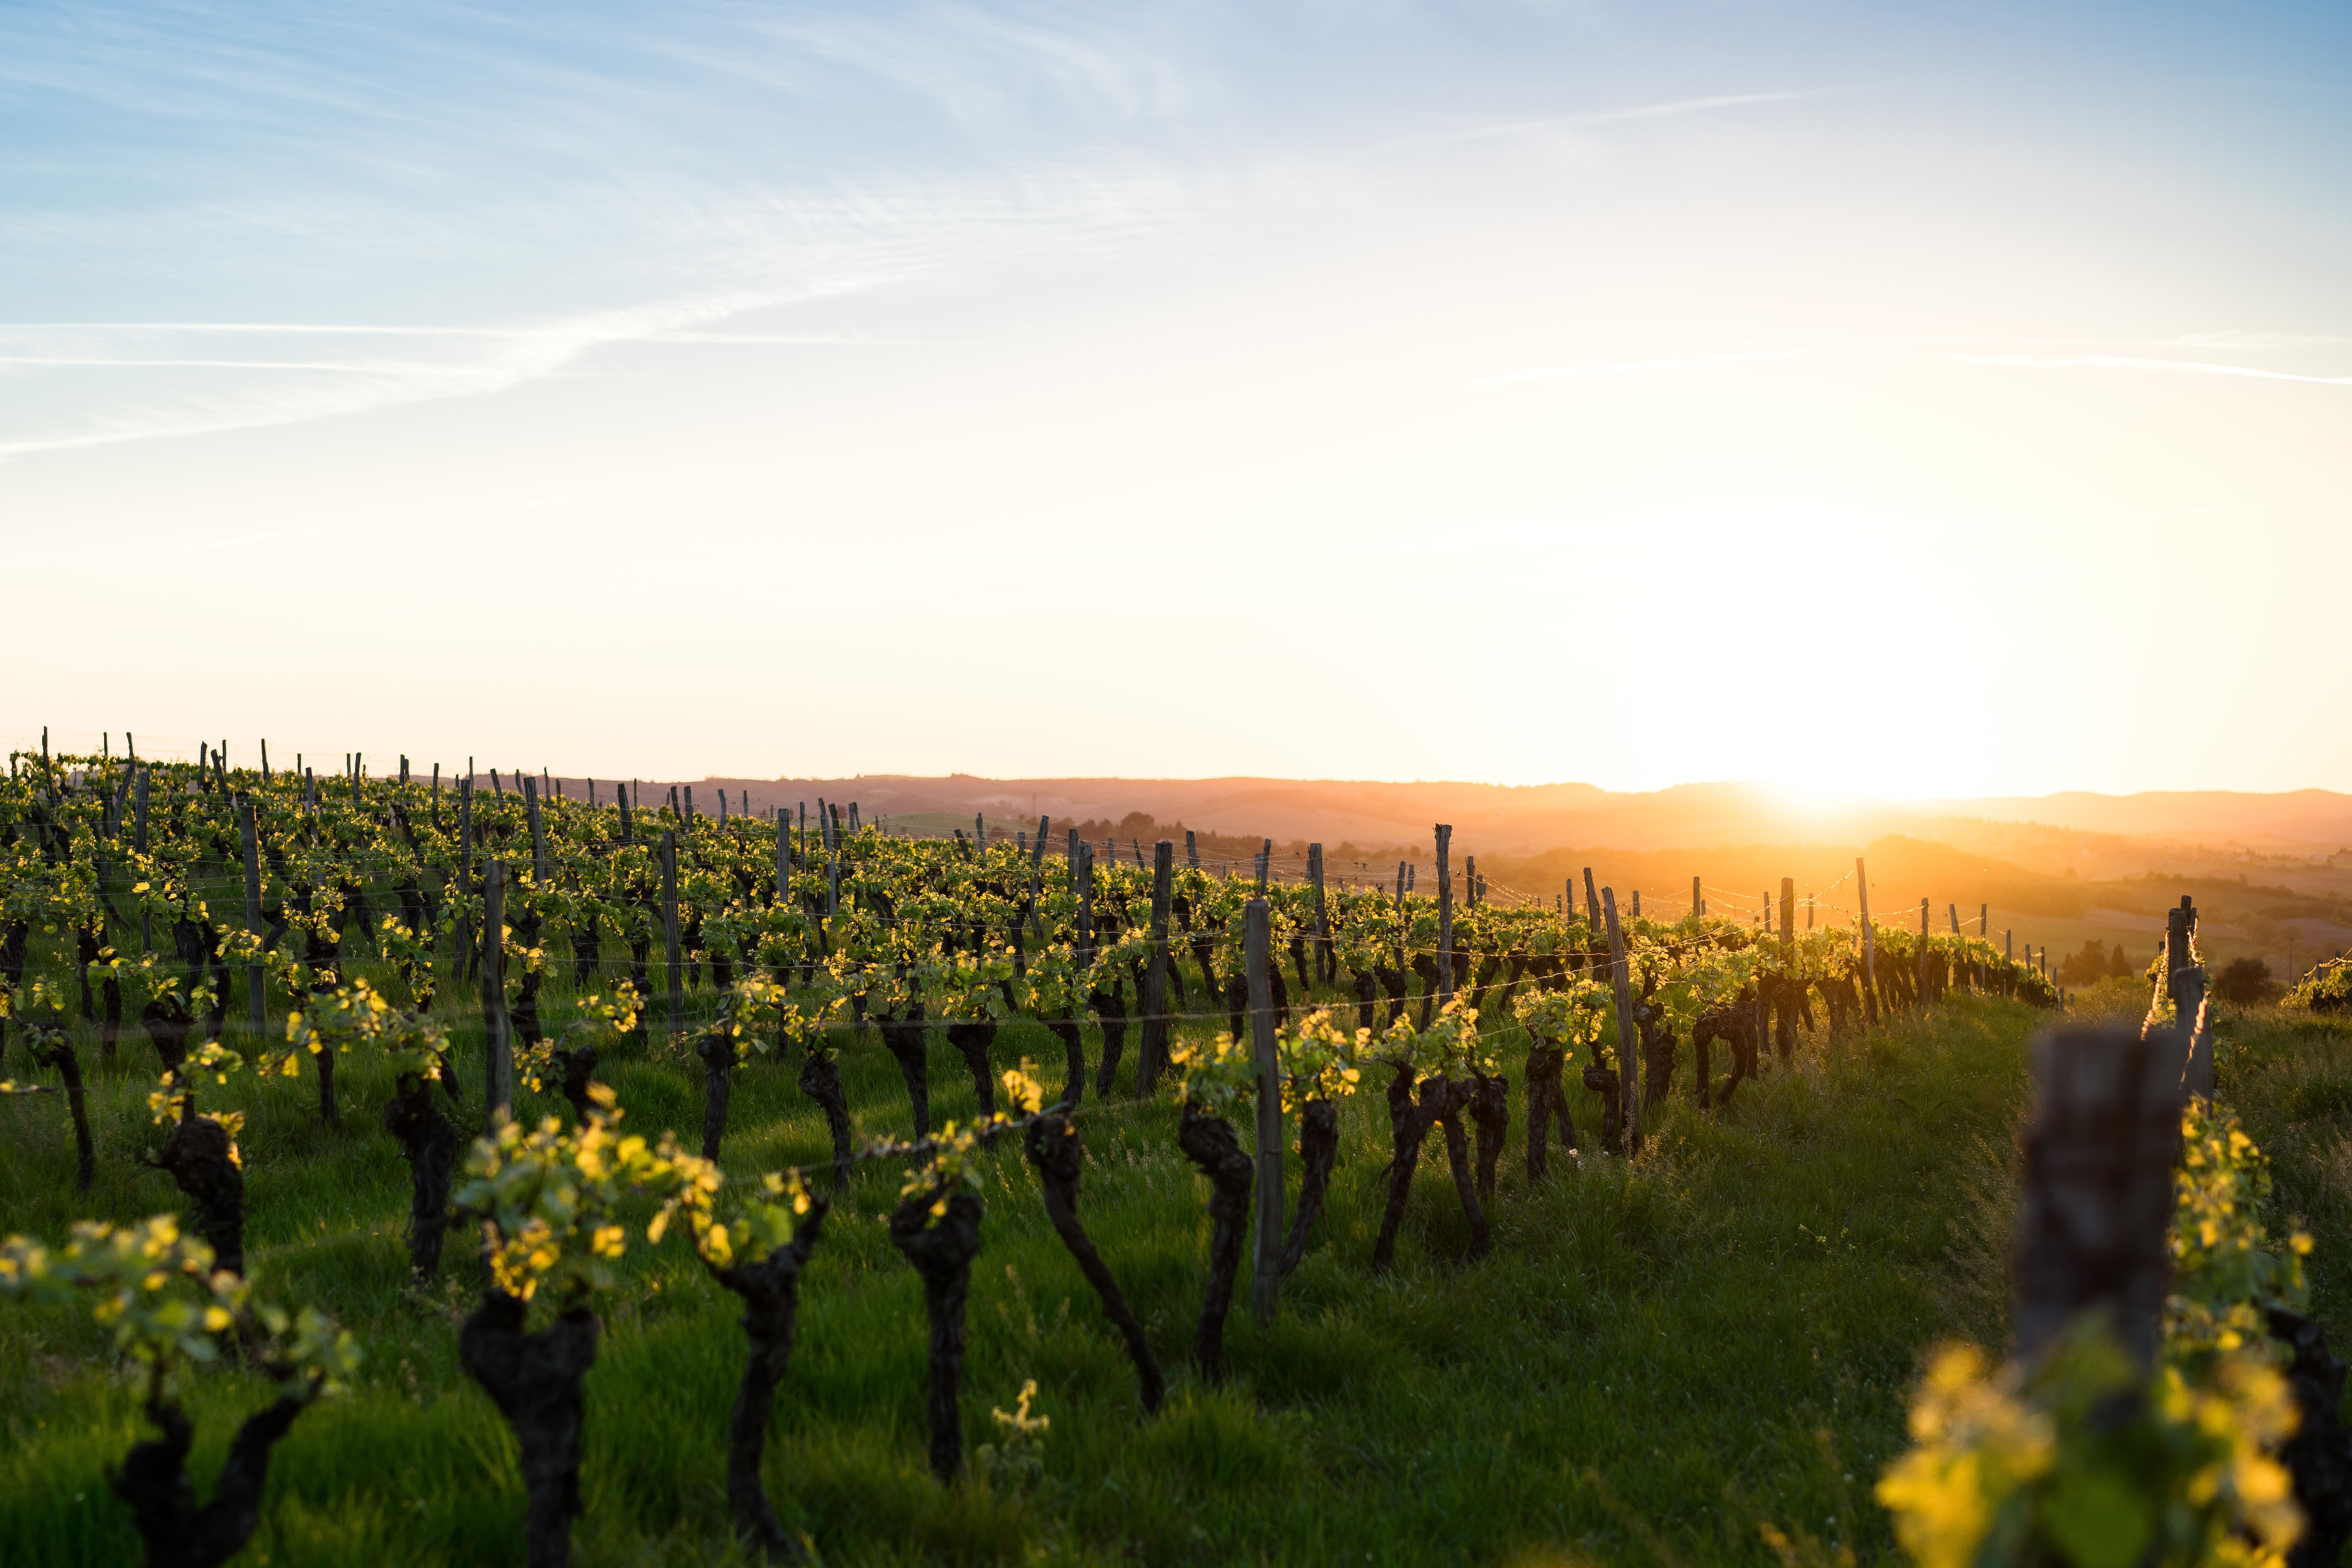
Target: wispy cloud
[
  {"x": 1635, "y": 367},
  {"x": 112, "y": 549},
  {"x": 521, "y": 354},
  {"x": 2110, "y": 362},
  {"x": 1553, "y": 124}
]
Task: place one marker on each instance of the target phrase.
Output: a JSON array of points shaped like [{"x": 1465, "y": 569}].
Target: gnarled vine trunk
[
  {"x": 153, "y": 1479},
  {"x": 1074, "y": 1055},
  {"x": 942, "y": 1251},
  {"x": 430, "y": 1145},
  {"x": 1054, "y": 1148},
  {"x": 973, "y": 1039},
  {"x": 820, "y": 1080},
  {"x": 196, "y": 1157},
  {"x": 769, "y": 1291},
  {"x": 1209, "y": 1142},
  {"x": 718, "y": 1053},
  {"x": 1546, "y": 1104},
  {"x": 534, "y": 1379},
  {"x": 905, "y": 1037},
  {"x": 1318, "y": 1152},
  {"x": 1490, "y": 1111}
]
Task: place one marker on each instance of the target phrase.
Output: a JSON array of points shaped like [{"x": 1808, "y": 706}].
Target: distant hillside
[{"x": 2094, "y": 836}]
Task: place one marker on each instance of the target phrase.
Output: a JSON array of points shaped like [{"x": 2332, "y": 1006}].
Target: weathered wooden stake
[
  {"x": 1788, "y": 915},
  {"x": 784, "y": 859},
  {"x": 1324, "y": 962},
  {"x": 1266, "y": 1278},
  {"x": 1444, "y": 832},
  {"x": 675, "y": 981},
  {"x": 1698, "y": 900},
  {"x": 256, "y": 987},
  {"x": 498, "y": 1070},
  {"x": 537, "y": 831},
  {"x": 2098, "y": 1183},
  {"x": 1869, "y": 948},
  {"x": 1151, "y": 1055},
  {"x": 1629, "y": 1043}
]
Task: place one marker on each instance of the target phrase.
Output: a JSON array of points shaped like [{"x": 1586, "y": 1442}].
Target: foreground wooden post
[
  {"x": 498, "y": 1069},
  {"x": 1151, "y": 1053},
  {"x": 1698, "y": 902},
  {"x": 1629, "y": 1046},
  {"x": 255, "y": 985},
  {"x": 1265, "y": 1274},
  {"x": 2098, "y": 1183},
  {"x": 673, "y": 983},
  {"x": 1788, "y": 915}
]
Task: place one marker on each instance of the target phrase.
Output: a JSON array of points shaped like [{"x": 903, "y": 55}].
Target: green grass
[
  {"x": 2290, "y": 1076},
  {"x": 1650, "y": 1363}
]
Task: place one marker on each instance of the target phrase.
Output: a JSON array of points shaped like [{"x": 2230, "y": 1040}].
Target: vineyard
[{"x": 796, "y": 1188}]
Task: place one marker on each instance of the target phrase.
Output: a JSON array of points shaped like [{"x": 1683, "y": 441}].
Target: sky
[{"x": 1921, "y": 400}]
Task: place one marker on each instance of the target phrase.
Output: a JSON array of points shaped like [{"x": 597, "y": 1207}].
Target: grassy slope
[
  {"x": 1682, "y": 1331},
  {"x": 2290, "y": 1076}
]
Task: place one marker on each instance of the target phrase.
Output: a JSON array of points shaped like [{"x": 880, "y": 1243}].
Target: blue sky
[{"x": 1512, "y": 392}]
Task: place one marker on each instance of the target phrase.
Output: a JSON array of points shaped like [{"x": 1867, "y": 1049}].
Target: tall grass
[{"x": 1653, "y": 1360}]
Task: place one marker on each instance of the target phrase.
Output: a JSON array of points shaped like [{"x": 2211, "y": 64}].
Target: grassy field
[
  {"x": 2290, "y": 1076},
  {"x": 1654, "y": 1361}
]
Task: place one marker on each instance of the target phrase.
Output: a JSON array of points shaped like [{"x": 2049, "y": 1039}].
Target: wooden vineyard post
[
  {"x": 1591, "y": 902},
  {"x": 1629, "y": 1048},
  {"x": 2098, "y": 1183},
  {"x": 255, "y": 986},
  {"x": 1152, "y": 1053},
  {"x": 2176, "y": 950},
  {"x": 1265, "y": 1275},
  {"x": 1403, "y": 925},
  {"x": 1869, "y": 950},
  {"x": 466, "y": 826},
  {"x": 1192, "y": 849},
  {"x": 1444, "y": 833},
  {"x": 784, "y": 861},
  {"x": 1922, "y": 962},
  {"x": 1326, "y": 965},
  {"x": 1787, "y": 916},
  {"x": 537, "y": 831},
  {"x": 621, "y": 794},
  {"x": 672, "y": 982},
  {"x": 139, "y": 842},
  {"x": 498, "y": 1052},
  {"x": 465, "y": 882}
]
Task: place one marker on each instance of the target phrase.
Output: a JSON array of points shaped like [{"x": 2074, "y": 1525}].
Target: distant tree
[
  {"x": 2121, "y": 964},
  {"x": 1136, "y": 823},
  {"x": 2087, "y": 967},
  {"x": 2246, "y": 983}
]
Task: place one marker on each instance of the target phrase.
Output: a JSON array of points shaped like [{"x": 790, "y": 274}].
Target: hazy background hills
[{"x": 2271, "y": 874}]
